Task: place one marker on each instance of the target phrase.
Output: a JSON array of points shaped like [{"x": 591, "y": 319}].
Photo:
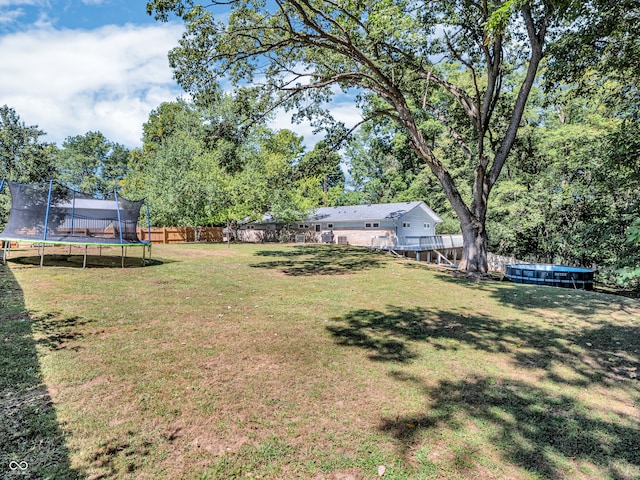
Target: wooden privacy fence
[{"x": 181, "y": 234}]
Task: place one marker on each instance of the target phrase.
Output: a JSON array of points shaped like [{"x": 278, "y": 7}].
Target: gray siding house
[
  {"x": 372, "y": 225},
  {"x": 405, "y": 225},
  {"x": 407, "y": 228},
  {"x": 267, "y": 229}
]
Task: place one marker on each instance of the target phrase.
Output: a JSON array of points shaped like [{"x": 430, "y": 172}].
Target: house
[
  {"x": 266, "y": 229},
  {"x": 372, "y": 225},
  {"x": 407, "y": 228}
]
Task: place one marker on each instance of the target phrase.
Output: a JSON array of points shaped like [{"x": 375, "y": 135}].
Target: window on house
[
  {"x": 302, "y": 226},
  {"x": 329, "y": 225},
  {"x": 406, "y": 225},
  {"x": 427, "y": 225},
  {"x": 367, "y": 225}
]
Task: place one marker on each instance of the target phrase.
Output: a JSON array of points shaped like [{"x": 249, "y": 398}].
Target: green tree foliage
[
  {"x": 603, "y": 36},
  {"x": 384, "y": 168},
  {"x": 397, "y": 55},
  {"x": 181, "y": 180},
  {"x": 323, "y": 170},
  {"x": 266, "y": 181},
  {"x": 24, "y": 157},
  {"x": 92, "y": 164},
  {"x": 601, "y": 48},
  {"x": 570, "y": 193},
  {"x": 208, "y": 165}
]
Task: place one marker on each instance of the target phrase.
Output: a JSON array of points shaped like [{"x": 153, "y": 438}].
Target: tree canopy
[
  {"x": 92, "y": 164},
  {"x": 451, "y": 62},
  {"x": 204, "y": 165},
  {"x": 24, "y": 156}
]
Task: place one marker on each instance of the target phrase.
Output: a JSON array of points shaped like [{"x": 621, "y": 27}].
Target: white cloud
[
  {"x": 10, "y": 16},
  {"x": 69, "y": 82},
  {"x": 8, "y": 3}
]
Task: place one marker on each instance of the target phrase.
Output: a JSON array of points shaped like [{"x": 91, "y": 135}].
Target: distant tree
[
  {"x": 24, "y": 157},
  {"x": 92, "y": 164},
  {"x": 324, "y": 165},
  {"x": 162, "y": 123},
  {"x": 180, "y": 179},
  {"x": 384, "y": 168},
  {"x": 212, "y": 165}
]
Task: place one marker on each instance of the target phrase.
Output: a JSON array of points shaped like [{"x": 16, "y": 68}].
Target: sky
[{"x": 75, "y": 66}]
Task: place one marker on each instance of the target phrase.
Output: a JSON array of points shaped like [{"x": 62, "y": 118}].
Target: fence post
[{"x": 164, "y": 235}]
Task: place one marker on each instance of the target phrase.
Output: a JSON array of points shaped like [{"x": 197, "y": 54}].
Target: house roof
[
  {"x": 376, "y": 211},
  {"x": 266, "y": 218}
]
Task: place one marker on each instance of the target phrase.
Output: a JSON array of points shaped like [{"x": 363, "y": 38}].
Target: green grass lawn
[{"x": 310, "y": 362}]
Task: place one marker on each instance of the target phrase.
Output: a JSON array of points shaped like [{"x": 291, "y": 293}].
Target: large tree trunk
[{"x": 474, "y": 249}]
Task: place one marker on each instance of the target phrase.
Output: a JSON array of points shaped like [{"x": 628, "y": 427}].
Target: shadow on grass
[
  {"x": 526, "y": 297},
  {"x": 56, "y": 333},
  {"x": 306, "y": 260},
  {"x": 32, "y": 444},
  {"x": 93, "y": 261},
  {"x": 603, "y": 353},
  {"x": 534, "y": 428},
  {"x": 535, "y": 425}
]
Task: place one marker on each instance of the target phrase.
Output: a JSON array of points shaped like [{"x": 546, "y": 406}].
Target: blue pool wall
[{"x": 551, "y": 275}]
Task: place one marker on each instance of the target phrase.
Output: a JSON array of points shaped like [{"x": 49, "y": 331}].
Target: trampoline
[{"x": 47, "y": 214}]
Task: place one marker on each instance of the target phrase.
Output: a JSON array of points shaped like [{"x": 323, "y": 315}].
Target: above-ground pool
[{"x": 551, "y": 275}]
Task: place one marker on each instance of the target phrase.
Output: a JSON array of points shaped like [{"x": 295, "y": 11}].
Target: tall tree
[
  {"x": 92, "y": 164},
  {"x": 24, "y": 156},
  {"x": 390, "y": 52},
  {"x": 324, "y": 165},
  {"x": 203, "y": 165},
  {"x": 174, "y": 171}
]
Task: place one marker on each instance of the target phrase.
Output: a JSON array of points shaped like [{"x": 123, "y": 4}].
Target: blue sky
[
  {"x": 74, "y": 66},
  {"x": 73, "y": 14}
]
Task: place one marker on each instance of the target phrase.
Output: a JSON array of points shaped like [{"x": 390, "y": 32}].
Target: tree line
[{"x": 198, "y": 165}]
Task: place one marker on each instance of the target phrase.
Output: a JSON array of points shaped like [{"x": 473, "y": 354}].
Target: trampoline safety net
[{"x": 52, "y": 213}]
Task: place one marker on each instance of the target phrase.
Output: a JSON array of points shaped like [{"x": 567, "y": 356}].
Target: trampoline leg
[
  {"x": 42, "y": 255},
  {"x": 122, "y": 254},
  {"x": 4, "y": 252},
  {"x": 84, "y": 261}
]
